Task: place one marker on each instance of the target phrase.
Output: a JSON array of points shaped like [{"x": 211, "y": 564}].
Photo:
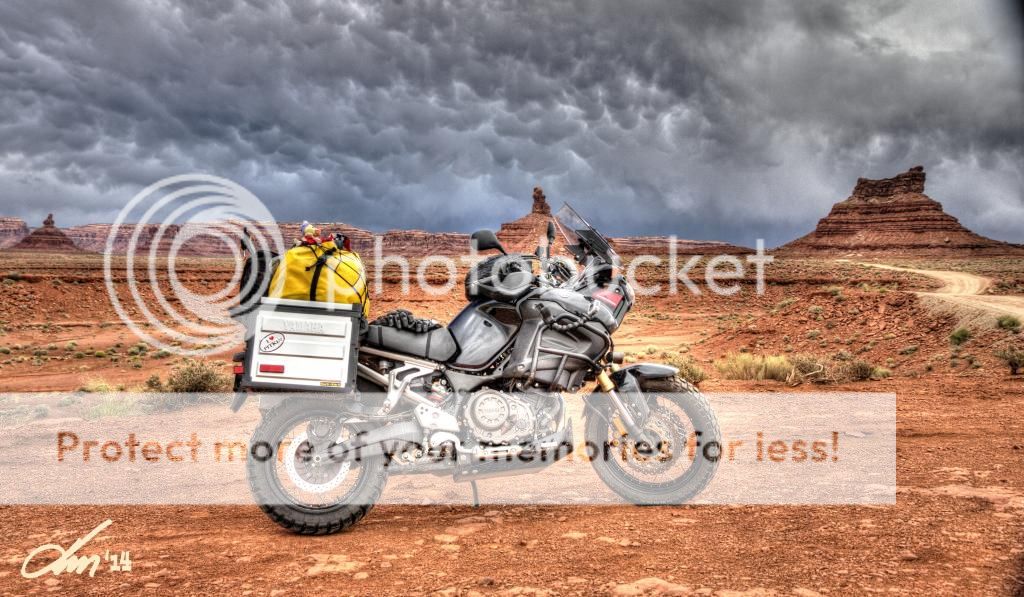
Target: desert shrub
[
  {"x": 5, "y": 350},
  {"x": 70, "y": 346},
  {"x": 842, "y": 355},
  {"x": 161, "y": 354},
  {"x": 809, "y": 368},
  {"x": 813, "y": 334},
  {"x": 880, "y": 373},
  {"x": 1008, "y": 322},
  {"x": 908, "y": 350},
  {"x": 154, "y": 384},
  {"x": 688, "y": 369},
  {"x": 9, "y": 282},
  {"x": 111, "y": 406},
  {"x": 754, "y": 367},
  {"x": 785, "y": 303},
  {"x": 79, "y": 355},
  {"x": 196, "y": 376},
  {"x": 856, "y": 371},
  {"x": 97, "y": 385},
  {"x": 1013, "y": 357},
  {"x": 814, "y": 369},
  {"x": 99, "y": 354},
  {"x": 959, "y": 336},
  {"x": 67, "y": 401}
]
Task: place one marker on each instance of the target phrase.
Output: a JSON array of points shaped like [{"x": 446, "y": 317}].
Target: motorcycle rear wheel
[
  {"x": 270, "y": 473},
  {"x": 620, "y": 465}
]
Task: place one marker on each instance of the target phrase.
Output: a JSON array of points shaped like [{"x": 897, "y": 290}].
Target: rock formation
[
  {"x": 894, "y": 216},
  {"x": 47, "y": 238},
  {"x": 523, "y": 235},
  {"x": 12, "y": 230},
  {"x": 540, "y": 202}
]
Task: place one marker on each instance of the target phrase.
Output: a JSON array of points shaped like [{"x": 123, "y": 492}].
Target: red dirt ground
[{"x": 957, "y": 526}]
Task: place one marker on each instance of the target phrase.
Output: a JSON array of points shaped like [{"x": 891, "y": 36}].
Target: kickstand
[{"x": 476, "y": 494}]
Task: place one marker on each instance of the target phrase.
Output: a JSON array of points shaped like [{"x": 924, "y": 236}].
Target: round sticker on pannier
[{"x": 271, "y": 342}]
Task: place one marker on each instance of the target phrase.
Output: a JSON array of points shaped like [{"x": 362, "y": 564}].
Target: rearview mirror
[{"x": 486, "y": 240}]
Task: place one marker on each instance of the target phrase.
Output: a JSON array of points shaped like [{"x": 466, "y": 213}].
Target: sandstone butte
[
  {"x": 893, "y": 216},
  {"x": 46, "y": 238}
]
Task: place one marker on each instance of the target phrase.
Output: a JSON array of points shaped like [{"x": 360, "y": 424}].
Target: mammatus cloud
[{"x": 727, "y": 120}]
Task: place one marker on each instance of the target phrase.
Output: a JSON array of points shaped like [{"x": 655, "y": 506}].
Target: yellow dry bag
[{"x": 321, "y": 272}]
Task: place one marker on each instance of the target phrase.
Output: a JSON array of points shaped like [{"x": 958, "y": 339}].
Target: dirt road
[{"x": 965, "y": 289}]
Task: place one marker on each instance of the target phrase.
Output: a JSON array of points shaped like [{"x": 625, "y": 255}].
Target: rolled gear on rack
[{"x": 321, "y": 272}]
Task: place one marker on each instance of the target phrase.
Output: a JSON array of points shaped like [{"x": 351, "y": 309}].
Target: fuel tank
[{"x": 482, "y": 330}]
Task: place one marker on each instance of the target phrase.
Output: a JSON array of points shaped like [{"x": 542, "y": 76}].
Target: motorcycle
[{"x": 483, "y": 396}]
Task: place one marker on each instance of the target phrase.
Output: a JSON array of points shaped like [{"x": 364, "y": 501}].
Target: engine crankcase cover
[{"x": 497, "y": 417}]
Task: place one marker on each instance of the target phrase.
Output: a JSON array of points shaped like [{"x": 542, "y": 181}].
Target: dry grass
[
  {"x": 754, "y": 367},
  {"x": 688, "y": 369}
]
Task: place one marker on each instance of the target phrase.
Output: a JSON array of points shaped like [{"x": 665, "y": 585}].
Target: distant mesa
[
  {"x": 12, "y": 230},
  {"x": 894, "y": 216},
  {"x": 47, "y": 238},
  {"x": 207, "y": 240}
]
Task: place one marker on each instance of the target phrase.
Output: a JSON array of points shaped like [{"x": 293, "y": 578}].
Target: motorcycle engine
[{"x": 500, "y": 418}]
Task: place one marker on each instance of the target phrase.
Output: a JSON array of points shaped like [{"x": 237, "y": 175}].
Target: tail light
[{"x": 271, "y": 368}]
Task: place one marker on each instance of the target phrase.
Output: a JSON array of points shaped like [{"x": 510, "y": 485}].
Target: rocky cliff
[
  {"x": 12, "y": 230},
  {"x": 894, "y": 216},
  {"x": 659, "y": 245}
]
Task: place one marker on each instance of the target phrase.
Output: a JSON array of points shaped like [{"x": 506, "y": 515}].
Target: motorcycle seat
[{"x": 437, "y": 344}]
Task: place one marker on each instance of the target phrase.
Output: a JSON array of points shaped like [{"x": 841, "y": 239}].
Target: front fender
[{"x": 643, "y": 372}]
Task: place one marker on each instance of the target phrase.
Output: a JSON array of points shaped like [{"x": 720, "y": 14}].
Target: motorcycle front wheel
[
  {"x": 685, "y": 455},
  {"x": 295, "y": 481}
]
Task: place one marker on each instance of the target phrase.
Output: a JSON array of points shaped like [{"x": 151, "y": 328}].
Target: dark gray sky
[{"x": 711, "y": 120}]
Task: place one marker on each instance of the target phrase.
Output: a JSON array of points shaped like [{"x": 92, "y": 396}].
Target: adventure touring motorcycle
[{"x": 478, "y": 398}]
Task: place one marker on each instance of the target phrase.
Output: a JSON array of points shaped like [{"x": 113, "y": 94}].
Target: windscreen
[{"x": 577, "y": 231}]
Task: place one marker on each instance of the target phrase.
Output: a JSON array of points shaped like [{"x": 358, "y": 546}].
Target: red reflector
[
  {"x": 239, "y": 369},
  {"x": 609, "y": 297},
  {"x": 271, "y": 368}
]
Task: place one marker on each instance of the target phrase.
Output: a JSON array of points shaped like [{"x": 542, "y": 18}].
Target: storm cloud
[{"x": 710, "y": 120}]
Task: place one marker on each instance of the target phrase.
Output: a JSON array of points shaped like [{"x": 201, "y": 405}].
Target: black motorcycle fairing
[
  {"x": 556, "y": 359},
  {"x": 483, "y": 329}
]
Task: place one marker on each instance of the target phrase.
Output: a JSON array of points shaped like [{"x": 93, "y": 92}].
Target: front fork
[{"x": 626, "y": 423}]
